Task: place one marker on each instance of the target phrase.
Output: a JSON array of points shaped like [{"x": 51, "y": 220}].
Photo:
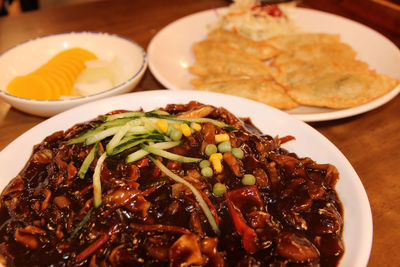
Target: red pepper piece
[
  {"x": 272, "y": 10},
  {"x": 247, "y": 196},
  {"x": 96, "y": 245},
  {"x": 159, "y": 228},
  {"x": 92, "y": 248},
  {"x": 286, "y": 139},
  {"x": 249, "y": 236},
  {"x": 143, "y": 162}
]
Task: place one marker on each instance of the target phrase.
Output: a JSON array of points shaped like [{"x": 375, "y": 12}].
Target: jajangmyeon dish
[{"x": 185, "y": 185}]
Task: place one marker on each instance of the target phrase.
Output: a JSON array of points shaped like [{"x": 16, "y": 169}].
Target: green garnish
[
  {"x": 219, "y": 124},
  {"x": 97, "y": 182},
  {"x": 210, "y": 149},
  {"x": 88, "y": 161},
  {"x": 82, "y": 223},
  {"x": 169, "y": 155},
  {"x": 129, "y": 114},
  {"x": 142, "y": 153},
  {"x": 219, "y": 189},
  {"x": 224, "y": 147},
  {"x": 248, "y": 179},
  {"x": 128, "y": 130},
  {"x": 207, "y": 172},
  {"x": 237, "y": 153},
  {"x": 204, "y": 163}
]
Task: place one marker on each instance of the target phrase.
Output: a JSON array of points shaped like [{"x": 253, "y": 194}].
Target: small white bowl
[{"x": 28, "y": 56}]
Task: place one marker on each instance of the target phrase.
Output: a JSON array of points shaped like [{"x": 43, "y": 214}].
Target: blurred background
[{"x": 382, "y": 13}]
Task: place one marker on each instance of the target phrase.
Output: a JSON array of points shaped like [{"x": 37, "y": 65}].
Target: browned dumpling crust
[{"x": 285, "y": 71}]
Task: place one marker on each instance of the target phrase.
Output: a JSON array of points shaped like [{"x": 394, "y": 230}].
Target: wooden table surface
[{"x": 370, "y": 141}]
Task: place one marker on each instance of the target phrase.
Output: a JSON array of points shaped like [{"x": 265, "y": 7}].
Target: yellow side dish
[{"x": 53, "y": 79}]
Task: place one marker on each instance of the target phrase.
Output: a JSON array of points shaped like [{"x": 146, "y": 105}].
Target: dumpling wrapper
[
  {"x": 218, "y": 58},
  {"x": 260, "y": 50},
  {"x": 260, "y": 90},
  {"x": 342, "y": 89}
]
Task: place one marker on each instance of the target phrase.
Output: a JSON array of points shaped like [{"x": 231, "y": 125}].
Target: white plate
[
  {"x": 170, "y": 53},
  {"x": 357, "y": 220}
]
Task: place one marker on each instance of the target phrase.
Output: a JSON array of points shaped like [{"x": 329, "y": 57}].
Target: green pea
[
  {"x": 176, "y": 134},
  {"x": 207, "y": 172},
  {"x": 219, "y": 189},
  {"x": 204, "y": 163},
  {"x": 224, "y": 147},
  {"x": 248, "y": 179},
  {"x": 237, "y": 153},
  {"x": 211, "y": 149}
]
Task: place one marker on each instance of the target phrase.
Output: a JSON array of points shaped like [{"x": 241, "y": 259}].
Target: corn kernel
[
  {"x": 162, "y": 125},
  {"x": 195, "y": 126},
  {"x": 217, "y": 165},
  {"x": 221, "y": 138},
  {"x": 185, "y": 129},
  {"x": 216, "y": 156}
]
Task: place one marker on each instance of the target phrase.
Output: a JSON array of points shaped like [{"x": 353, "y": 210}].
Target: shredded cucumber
[
  {"x": 135, "y": 156},
  {"x": 129, "y": 114},
  {"x": 190, "y": 120},
  {"x": 169, "y": 155},
  {"x": 119, "y": 122},
  {"x": 141, "y": 153},
  {"x": 82, "y": 137},
  {"x": 88, "y": 160},
  {"x": 130, "y": 129},
  {"x": 98, "y": 136},
  {"x": 131, "y": 143},
  {"x": 97, "y": 181},
  {"x": 99, "y": 128},
  {"x": 118, "y": 136}
]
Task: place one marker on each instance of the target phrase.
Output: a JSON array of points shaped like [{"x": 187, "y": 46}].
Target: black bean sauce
[{"x": 292, "y": 216}]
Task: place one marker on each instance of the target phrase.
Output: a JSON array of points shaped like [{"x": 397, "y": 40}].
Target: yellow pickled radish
[
  {"x": 79, "y": 53},
  {"x": 30, "y": 86},
  {"x": 53, "y": 79},
  {"x": 63, "y": 78},
  {"x": 53, "y": 84},
  {"x": 70, "y": 66},
  {"x": 60, "y": 78},
  {"x": 67, "y": 71}
]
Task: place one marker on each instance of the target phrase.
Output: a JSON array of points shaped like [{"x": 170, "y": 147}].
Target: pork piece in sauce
[{"x": 289, "y": 216}]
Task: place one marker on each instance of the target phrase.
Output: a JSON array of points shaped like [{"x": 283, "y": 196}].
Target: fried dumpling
[
  {"x": 299, "y": 72},
  {"x": 342, "y": 89},
  {"x": 213, "y": 78},
  {"x": 292, "y": 41},
  {"x": 316, "y": 51},
  {"x": 260, "y": 90},
  {"x": 261, "y": 50}
]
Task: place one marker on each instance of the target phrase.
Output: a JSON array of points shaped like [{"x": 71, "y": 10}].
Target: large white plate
[
  {"x": 357, "y": 219},
  {"x": 170, "y": 54}
]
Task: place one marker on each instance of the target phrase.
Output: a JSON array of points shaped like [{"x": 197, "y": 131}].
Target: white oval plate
[
  {"x": 357, "y": 220},
  {"x": 170, "y": 54}
]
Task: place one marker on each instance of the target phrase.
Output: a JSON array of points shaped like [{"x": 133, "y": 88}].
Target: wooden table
[{"x": 370, "y": 141}]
